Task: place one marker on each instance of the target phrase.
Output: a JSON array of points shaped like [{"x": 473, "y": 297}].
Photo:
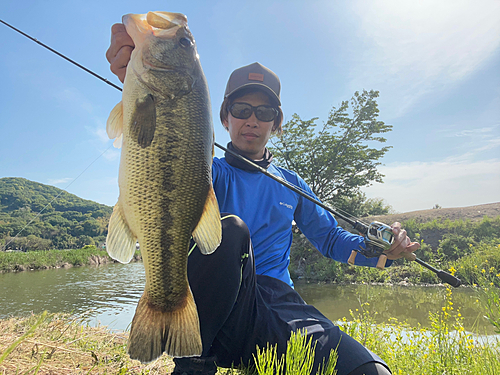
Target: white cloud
[
  {"x": 417, "y": 47},
  {"x": 58, "y": 181},
  {"x": 453, "y": 182}
]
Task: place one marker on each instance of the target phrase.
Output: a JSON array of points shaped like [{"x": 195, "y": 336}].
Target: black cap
[{"x": 254, "y": 75}]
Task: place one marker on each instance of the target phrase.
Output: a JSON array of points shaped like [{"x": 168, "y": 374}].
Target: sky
[{"x": 436, "y": 65}]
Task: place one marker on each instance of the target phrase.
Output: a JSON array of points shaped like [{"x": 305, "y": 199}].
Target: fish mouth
[{"x": 158, "y": 23}]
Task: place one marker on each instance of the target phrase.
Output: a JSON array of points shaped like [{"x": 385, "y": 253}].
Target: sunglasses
[{"x": 243, "y": 111}]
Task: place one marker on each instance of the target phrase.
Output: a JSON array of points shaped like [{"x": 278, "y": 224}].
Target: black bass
[{"x": 164, "y": 124}]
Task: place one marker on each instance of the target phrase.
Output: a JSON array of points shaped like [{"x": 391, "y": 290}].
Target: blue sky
[{"x": 435, "y": 63}]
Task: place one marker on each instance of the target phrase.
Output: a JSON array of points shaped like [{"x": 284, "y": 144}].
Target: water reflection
[{"x": 112, "y": 292}]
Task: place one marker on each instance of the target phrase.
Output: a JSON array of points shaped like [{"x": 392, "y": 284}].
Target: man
[{"x": 243, "y": 291}]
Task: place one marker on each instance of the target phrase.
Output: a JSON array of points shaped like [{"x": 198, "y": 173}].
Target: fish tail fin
[{"x": 155, "y": 331}]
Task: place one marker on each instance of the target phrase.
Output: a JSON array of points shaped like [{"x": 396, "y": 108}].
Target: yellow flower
[{"x": 483, "y": 270}]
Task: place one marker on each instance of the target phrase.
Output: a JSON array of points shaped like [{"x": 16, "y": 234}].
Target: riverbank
[
  {"x": 466, "y": 248},
  {"x": 40, "y": 260},
  {"x": 64, "y": 344}
]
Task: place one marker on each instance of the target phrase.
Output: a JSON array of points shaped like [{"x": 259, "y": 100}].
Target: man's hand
[
  {"x": 120, "y": 50},
  {"x": 402, "y": 244}
]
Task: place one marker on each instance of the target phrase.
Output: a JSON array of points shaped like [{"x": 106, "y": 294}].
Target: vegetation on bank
[
  {"x": 37, "y": 260},
  {"x": 465, "y": 247},
  {"x": 63, "y": 223}
]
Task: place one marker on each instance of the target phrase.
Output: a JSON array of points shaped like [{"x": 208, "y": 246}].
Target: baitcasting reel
[{"x": 378, "y": 238}]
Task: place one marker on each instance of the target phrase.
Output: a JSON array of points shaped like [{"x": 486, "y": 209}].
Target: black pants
[{"x": 239, "y": 310}]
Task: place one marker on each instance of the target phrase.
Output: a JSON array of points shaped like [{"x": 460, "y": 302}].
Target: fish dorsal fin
[
  {"x": 114, "y": 125},
  {"x": 144, "y": 121},
  {"x": 208, "y": 232},
  {"x": 120, "y": 242}
]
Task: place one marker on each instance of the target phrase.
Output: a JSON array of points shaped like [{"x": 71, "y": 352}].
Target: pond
[{"x": 108, "y": 295}]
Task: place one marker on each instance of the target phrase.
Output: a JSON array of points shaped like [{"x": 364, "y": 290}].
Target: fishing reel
[{"x": 378, "y": 238}]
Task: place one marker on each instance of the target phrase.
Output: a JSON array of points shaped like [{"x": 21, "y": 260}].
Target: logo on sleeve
[{"x": 286, "y": 205}]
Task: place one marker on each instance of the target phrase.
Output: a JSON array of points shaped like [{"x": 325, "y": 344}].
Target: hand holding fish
[{"x": 120, "y": 50}]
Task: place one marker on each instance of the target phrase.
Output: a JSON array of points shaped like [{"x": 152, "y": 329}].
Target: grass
[
  {"x": 64, "y": 344},
  {"x": 35, "y": 260}
]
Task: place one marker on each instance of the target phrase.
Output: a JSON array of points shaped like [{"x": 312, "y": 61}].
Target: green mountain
[{"x": 66, "y": 222}]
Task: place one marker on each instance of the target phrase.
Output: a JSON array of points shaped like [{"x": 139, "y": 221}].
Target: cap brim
[{"x": 259, "y": 86}]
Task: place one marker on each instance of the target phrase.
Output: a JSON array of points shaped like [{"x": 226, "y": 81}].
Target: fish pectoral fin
[
  {"x": 120, "y": 242},
  {"x": 114, "y": 125},
  {"x": 208, "y": 232},
  {"x": 144, "y": 121},
  {"x": 118, "y": 141}
]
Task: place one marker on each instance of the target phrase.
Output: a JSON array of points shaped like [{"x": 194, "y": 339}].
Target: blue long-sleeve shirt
[{"x": 268, "y": 209}]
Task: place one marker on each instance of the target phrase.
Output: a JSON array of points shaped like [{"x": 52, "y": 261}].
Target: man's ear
[{"x": 226, "y": 124}]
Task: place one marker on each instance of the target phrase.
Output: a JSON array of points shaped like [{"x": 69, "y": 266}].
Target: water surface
[{"x": 109, "y": 294}]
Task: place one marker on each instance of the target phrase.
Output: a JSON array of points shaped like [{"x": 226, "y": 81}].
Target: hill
[
  {"x": 66, "y": 222},
  {"x": 473, "y": 213}
]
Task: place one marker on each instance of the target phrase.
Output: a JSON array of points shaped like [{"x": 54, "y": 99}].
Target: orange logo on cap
[{"x": 256, "y": 77}]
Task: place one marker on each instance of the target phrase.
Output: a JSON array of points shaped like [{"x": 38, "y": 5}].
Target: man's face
[{"x": 250, "y": 136}]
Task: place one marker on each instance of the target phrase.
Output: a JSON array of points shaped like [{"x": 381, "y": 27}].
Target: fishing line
[
  {"x": 298, "y": 189},
  {"x": 53, "y": 199},
  {"x": 359, "y": 225},
  {"x": 61, "y": 55}
]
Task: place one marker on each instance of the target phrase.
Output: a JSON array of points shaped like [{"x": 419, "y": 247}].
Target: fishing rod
[{"x": 378, "y": 236}]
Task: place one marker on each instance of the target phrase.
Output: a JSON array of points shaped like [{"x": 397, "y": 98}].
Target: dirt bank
[{"x": 473, "y": 213}]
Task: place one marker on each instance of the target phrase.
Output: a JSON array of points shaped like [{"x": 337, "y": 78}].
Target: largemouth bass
[{"x": 164, "y": 123}]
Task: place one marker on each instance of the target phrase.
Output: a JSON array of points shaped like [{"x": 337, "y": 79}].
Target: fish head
[{"x": 165, "y": 56}]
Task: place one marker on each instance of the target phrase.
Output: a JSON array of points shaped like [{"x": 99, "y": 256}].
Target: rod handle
[
  {"x": 382, "y": 259},
  {"x": 450, "y": 279},
  {"x": 352, "y": 257}
]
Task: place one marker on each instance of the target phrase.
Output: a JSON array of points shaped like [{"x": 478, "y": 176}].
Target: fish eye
[{"x": 185, "y": 42}]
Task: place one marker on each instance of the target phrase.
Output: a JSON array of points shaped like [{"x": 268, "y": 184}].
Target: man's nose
[{"x": 252, "y": 121}]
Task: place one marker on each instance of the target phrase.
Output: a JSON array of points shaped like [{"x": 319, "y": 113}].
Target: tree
[
  {"x": 360, "y": 206},
  {"x": 336, "y": 160}
]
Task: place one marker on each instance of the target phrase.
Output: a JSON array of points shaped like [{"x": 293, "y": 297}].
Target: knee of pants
[{"x": 233, "y": 228}]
